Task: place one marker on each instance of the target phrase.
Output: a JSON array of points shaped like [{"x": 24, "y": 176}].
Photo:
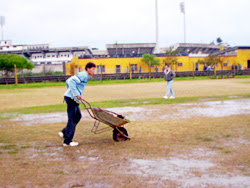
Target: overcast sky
[{"x": 95, "y": 23}]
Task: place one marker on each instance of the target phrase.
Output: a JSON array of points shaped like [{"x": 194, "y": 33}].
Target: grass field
[{"x": 199, "y": 139}]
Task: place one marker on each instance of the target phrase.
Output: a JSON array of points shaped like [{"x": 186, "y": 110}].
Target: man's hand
[{"x": 79, "y": 97}]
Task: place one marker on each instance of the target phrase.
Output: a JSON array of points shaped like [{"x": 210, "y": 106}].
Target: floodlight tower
[
  {"x": 182, "y": 5},
  {"x": 156, "y": 26},
  {"x": 2, "y": 22}
]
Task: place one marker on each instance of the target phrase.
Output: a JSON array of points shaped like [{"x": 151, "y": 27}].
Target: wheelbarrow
[{"x": 113, "y": 120}]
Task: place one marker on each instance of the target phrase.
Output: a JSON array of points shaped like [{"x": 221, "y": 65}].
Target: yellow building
[{"x": 239, "y": 56}]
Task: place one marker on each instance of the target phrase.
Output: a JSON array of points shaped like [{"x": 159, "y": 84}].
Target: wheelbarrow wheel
[{"x": 117, "y": 136}]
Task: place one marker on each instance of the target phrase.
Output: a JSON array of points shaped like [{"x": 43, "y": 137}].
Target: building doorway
[
  {"x": 118, "y": 68},
  {"x": 248, "y": 64}
]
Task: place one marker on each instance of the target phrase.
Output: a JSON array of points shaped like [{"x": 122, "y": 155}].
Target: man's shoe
[
  {"x": 165, "y": 97},
  {"x": 61, "y": 135},
  {"x": 71, "y": 144},
  {"x": 171, "y": 97}
]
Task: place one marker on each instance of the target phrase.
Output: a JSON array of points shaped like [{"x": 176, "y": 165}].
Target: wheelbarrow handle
[
  {"x": 88, "y": 107},
  {"x": 86, "y": 102}
]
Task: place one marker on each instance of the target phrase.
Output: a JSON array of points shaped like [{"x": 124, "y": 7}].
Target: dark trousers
[{"x": 74, "y": 116}]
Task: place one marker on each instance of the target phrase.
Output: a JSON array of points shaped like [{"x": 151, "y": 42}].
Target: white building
[{"x": 43, "y": 53}]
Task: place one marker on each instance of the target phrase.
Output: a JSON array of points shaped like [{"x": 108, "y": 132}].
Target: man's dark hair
[
  {"x": 167, "y": 65},
  {"x": 89, "y": 65}
]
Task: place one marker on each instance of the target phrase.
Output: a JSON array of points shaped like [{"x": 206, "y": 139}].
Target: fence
[{"x": 28, "y": 79}]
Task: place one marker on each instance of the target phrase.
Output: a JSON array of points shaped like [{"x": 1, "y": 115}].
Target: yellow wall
[
  {"x": 188, "y": 63},
  {"x": 242, "y": 57}
]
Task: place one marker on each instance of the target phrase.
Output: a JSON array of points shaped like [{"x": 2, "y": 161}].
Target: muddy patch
[
  {"x": 152, "y": 112},
  {"x": 186, "y": 171}
]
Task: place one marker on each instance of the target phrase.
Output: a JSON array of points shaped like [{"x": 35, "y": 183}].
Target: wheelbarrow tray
[
  {"x": 108, "y": 117},
  {"x": 114, "y": 120}
]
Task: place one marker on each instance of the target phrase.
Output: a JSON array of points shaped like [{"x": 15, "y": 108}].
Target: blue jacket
[{"x": 76, "y": 85}]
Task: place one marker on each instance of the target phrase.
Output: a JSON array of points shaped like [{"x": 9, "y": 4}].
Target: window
[
  {"x": 99, "y": 68},
  {"x": 179, "y": 64},
  {"x": 118, "y": 68},
  {"x": 133, "y": 67},
  {"x": 225, "y": 64}
]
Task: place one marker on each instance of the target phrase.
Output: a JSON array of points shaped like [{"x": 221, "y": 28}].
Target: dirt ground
[
  {"x": 197, "y": 144},
  {"x": 20, "y": 98}
]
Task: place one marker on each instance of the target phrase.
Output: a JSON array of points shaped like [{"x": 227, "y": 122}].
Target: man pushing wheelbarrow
[{"x": 73, "y": 97}]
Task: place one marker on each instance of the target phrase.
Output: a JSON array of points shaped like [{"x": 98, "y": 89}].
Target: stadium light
[
  {"x": 2, "y": 22},
  {"x": 156, "y": 25},
  {"x": 182, "y": 6}
]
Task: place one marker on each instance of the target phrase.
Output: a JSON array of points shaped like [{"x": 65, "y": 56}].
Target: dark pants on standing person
[{"x": 74, "y": 116}]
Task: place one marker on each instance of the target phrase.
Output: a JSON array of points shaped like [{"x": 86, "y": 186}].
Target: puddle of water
[
  {"x": 89, "y": 158},
  {"x": 82, "y": 157},
  {"x": 93, "y": 158},
  {"x": 51, "y": 154},
  {"x": 168, "y": 169},
  {"x": 210, "y": 109},
  {"x": 174, "y": 169},
  {"x": 8, "y": 115},
  {"x": 184, "y": 170},
  {"x": 61, "y": 117},
  {"x": 234, "y": 97},
  {"x": 152, "y": 113},
  {"x": 236, "y": 142},
  {"x": 122, "y": 110},
  {"x": 218, "y": 180},
  {"x": 33, "y": 119}
]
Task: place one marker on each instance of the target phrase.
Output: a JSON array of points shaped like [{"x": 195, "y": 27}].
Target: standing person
[
  {"x": 169, "y": 77},
  {"x": 73, "y": 97},
  {"x": 156, "y": 69}
]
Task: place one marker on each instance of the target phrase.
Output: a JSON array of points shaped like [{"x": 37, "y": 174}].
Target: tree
[
  {"x": 219, "y": 40},
  {"x": 150, "y": 60},
  {"x": 212, "y": 61},
  {"x": 171, "y": 57},
  {"x": 7, "y": 62}
]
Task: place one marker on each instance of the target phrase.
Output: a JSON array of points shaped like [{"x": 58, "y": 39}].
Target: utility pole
[
  {"x": 182, "y": 5},
  {"x": 2, "y": 22},
  {"x": 156, "y": 26}
]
